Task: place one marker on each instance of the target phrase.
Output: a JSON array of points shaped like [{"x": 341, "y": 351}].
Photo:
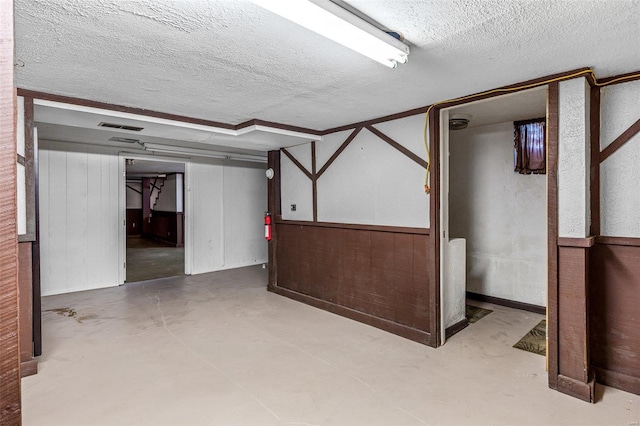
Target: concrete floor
[
  {"x": 219, "y": 349},
  {"x": 149, "y": 259}
]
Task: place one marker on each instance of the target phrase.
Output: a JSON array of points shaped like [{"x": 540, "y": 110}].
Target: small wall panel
[
  {"x": 381, "y": 274},
  {"x": 615, "y": 315}
]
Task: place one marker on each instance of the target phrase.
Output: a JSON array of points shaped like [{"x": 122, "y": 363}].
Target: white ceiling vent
[{"x": 459, "y": 121}]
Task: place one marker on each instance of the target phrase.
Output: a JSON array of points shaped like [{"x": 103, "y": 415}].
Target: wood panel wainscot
[
  {"x": 375, "y": 275},
  {"x": 614, "y": 310}
]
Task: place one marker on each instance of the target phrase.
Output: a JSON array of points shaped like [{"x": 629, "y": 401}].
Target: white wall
[
  {"x": 500, "y": 213},
  {"x": 79, "y": 209},
  {"x": 228, "y": 205},
  {"x": 620, "y": 174},
  {"x": 21, "y": 184},
  {"x": 79, "y": 224},
  {"x": 573, "y": 158},
  {"x": 134, "y": 195},
  {"x": 369, "y": 183}
]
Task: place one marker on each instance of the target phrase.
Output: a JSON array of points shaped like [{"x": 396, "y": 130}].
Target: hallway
[
  {"x": 218, "y": 348},
  {"x": 149, "y": 259}
]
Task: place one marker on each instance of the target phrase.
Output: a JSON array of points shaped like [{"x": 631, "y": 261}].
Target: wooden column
[
  {"x": 10, "y": 406},
  {"x": 145, "y": 227},
  {"x": 273, "y": 204},
  {"x": 434, "y": 225},
  {"x": 28, "y": 364}
]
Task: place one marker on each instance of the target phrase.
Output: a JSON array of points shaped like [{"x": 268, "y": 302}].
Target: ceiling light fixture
[
  {"x": 337, "y": 24},
  {"x": 195, "y": 152}
]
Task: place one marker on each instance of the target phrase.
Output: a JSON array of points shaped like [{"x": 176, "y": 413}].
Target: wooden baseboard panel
[
  {"x": 508, "y": 303},
  {"x": 386, "y": 325},
  {"x": 455, "y": 328},
  {"x": 618, "y": 380},
  {"x": 576, "y": 388},
  {"x": 28, "y": 368}
]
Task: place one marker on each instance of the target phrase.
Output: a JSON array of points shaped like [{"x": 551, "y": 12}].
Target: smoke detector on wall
[{"x": 459, "y": 121}]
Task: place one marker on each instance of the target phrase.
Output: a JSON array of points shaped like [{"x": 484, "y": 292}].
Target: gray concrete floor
[
  {"x": 149, "y": 259},
  {"x": 219, "y": 349}
]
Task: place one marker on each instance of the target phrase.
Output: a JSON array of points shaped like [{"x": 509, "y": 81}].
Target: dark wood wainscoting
[
  {"x": 614, "y": 311},
  {"x": 28, "y": 364},
  {"x": 134, "y": 222},
  {"x": 376, "y": 275},
  {"x": 168, "y": 227}
]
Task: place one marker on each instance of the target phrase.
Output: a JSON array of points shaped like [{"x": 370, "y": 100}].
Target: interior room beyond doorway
[{"x": 155, "y": 220}]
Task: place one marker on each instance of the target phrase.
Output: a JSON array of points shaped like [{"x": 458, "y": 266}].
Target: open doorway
[
  {"x": 494, "y": 218},
  {"x": 154, "y": 220}
]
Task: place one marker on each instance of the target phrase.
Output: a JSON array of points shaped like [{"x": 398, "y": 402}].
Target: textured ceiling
[{"x": 231, "y": 61}]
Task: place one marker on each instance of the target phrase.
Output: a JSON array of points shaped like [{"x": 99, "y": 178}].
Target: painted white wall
[
  {"x": 134, "y": 199},
  {"x": 369, "y": 183},
  {"x": 167, "y": 200},
  {"x": 501, "y": 214},
  {"x": 573, "y": 158},
  {"x": 21, "y": 170},
  {"x": 227, "y": 204},
  {"x": 620, "y": 174},
  {"x": 80, "y": 192},
  {"x": 79, "y": 223}
]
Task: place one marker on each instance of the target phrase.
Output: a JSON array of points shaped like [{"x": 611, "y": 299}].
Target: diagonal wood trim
[
  {"x": 20, "y": 160},
  {"x": 338, "y": 151},
  {"x": 397, "y": 146},
  {"x": 297, "y": 163},
  {"x": 618, "y": 241},
  {"x": 620, "y": 140},
  {"x": 391, "y": 117}
]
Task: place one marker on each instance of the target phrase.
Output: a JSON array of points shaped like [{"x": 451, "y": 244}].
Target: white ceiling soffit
[
  {"x": 231, "y": 61},
  {"x": 73, "y": 123},
  {"x": 510, "y": 107}
]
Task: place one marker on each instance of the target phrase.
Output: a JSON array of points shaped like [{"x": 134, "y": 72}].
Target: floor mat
[
  {"x": 535, "y": 340},
  {"x": 474, "y": 313}
]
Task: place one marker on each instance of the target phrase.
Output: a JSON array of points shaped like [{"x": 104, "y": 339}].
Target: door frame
[
  {"x": 122, "y": 208},
  {"x": 435, "y": 121}
]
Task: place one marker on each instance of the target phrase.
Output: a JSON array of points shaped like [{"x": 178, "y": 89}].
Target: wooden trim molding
[
  {"x": 456, "y": 328},
  {"x": 20, "y": 159},
  {"x": 378, "y": 228},
  {"x": 298, "y": 164},
  {"x": 434, "y": 224},
  {"x": 339, "y": 151},
  {"x": 383, "y": 324},
  {"x": 365, "y": 123},
  {"x": 576, "y": 242},
  {"x": 618, "y": 380},
  {"x": 576, "y": 388},
  {"x": 314, "y": 181},
  {"x": 508, "y": 303},
  {"x": 397, "y": 146},
  {"x": 618, "y": 241},
  {"x": 594, "y": 172},
  {"x": 552, "y": 233},
  {"x": 274, "y": 205},
  {"x": 622, "y": 78},
  {"x": 620, "y": 141},
  {"x": 10, "y": 399}
]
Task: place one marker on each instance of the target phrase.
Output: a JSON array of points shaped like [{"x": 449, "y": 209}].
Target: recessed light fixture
[{"x": 337, "y": 24}]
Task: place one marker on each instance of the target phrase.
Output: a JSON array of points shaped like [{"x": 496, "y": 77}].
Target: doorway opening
[
  {"x": 494, "y": 219},
  {"x": 154, "y": 220}
]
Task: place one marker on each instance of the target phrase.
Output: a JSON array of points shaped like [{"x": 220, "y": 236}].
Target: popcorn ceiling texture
[{"x": 232, "y": 61}]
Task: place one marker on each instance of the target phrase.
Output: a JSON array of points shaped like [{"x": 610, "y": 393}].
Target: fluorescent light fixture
[
  {"x": 195, "y": 152},
  {"x": 337, "y": 24}
]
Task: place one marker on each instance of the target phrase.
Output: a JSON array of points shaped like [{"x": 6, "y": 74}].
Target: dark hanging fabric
[{"x": 530, "y": 147}]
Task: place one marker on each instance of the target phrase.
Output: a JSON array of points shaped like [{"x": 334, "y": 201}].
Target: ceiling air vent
[
  {"x": 121, "y": 126},
  {"x": 126, "y": 140}
]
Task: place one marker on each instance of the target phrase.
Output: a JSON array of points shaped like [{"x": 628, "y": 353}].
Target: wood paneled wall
[
  {"x": 379, "y": 277},
  {"x": 615, "y": 314}
]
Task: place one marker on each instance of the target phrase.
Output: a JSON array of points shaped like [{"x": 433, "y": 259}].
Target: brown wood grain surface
[{"x": 10, "y": 405}]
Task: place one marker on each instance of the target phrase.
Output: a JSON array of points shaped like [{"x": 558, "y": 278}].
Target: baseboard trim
[
  {"x": 508, "y": 303},
  {"x": 28, "y": 368},
  {"x": 618, "y": 380},
  {"x": 455, "y": 328},
  {"x": 383, "y": 324},
  {"x": 576, "y": 388}
]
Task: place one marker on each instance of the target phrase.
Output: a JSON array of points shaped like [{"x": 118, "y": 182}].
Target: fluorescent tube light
[
  {"x": 176, "y": 150},
  {"x": 337, "y": 24}
]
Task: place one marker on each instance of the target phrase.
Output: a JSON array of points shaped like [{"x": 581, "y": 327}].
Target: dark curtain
[{"x": 530, "y": 147}]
